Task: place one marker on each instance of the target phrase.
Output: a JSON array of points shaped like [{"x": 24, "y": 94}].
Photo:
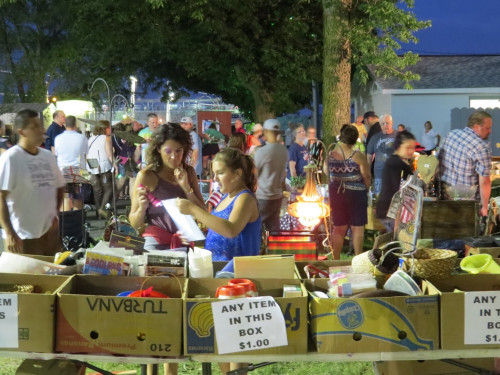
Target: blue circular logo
[{"x": 350, "y": 314}]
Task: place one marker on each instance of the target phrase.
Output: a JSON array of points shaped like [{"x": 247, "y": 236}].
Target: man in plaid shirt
[{"x": 465, "y": 157}]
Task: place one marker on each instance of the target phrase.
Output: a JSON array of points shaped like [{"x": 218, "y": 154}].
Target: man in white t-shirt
[
  {"x": 70, "y": 148},
  {"x": 196, "y": 158},
  {"x": 31, "y": 191}
]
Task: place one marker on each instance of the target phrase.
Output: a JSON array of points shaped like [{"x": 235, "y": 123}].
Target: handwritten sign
[
  {"x": 482, "y": 318},
  {"x": 8, "y": 321},
  {"x": 248, "y": 323}
]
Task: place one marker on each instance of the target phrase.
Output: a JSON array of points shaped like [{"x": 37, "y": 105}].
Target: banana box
[
  {"x": 477, "y": 294},
  {"x": 36, "y": 301},
  {"x": 385, "y": 324},
  {"x": 199, "y": 332},
  {"x": 92, "y": 318}
]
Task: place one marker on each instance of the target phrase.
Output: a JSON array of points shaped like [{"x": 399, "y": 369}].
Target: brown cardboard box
[
  {"x": 265, "y": 267},
  {"x": 91, "y": 319},
  {"x": 50, "y": 367},
  {"x": 36, "y": 311},
  {"x": 493, "y": 251},
  {"x": 357, "y": 325},
  {"x": 452, "y": 309},
  {"x": 199, "y": 333},
  {"x": 433, "y": 367}
]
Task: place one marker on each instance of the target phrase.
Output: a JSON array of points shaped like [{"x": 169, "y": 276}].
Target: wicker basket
[{"x": 426, "y": 263}]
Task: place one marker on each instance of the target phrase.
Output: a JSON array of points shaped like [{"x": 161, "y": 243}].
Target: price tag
[
  {"x": 482, "y": 318},
  {"x": 8, "y": 321},
  {"x": 248, "y": 323}
]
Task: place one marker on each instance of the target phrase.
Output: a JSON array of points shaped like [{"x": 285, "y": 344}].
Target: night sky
[{"x": 459, "y": 27}]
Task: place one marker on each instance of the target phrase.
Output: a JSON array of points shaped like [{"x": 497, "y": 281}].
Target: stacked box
[
  {"x": 452, "y": 309},
  {"x": 36, "y": 311},
  {"x": 92, "y": 319},
  {"x": 357, "y": 325},
  {"x": 199, "y": 332}
]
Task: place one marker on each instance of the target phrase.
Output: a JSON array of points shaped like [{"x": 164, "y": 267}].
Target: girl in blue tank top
[{"x": 234, "y": 226}]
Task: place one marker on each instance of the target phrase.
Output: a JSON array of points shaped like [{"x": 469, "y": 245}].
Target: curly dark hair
[
  {"x": 170, "y": 131},
  {"x": 235, "y": 159},
  {"x": 348, "y": 134}
]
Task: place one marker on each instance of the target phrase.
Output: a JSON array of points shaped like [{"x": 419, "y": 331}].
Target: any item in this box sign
[
  {"x": 200, "y": 325},
  {"x": 199, "y": 333}
]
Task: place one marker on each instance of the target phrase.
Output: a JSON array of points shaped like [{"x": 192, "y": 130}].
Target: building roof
[
  {"x": 16, "y": 107},
  {"x": 450, "y": 72}
]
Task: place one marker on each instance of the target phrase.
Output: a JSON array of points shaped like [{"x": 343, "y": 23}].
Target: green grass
[{"x": 8, "y": 367}]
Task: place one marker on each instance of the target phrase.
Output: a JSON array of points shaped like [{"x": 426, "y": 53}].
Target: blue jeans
[{"x": 377, "y": 185}]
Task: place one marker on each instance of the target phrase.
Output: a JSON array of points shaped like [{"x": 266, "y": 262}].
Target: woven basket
[{"x": 426, "y": 263}]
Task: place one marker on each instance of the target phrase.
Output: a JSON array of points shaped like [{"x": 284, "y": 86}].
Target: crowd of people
[
  {"x": 250, "y": 171},
  {"x": 464, "y": 158}
]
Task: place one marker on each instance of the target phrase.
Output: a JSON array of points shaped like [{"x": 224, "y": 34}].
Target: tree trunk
[
  {"x": 336, "y": 68},
  {"x": 262, "y": 99}
]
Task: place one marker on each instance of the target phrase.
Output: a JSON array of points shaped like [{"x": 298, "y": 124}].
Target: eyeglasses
[
  {"x": 385, "y": 123},
  {"x": 301, "y": 131}
]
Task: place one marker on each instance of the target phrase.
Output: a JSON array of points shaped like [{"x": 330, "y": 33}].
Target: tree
[
  {"x": 260, "y": 54},
  {"x": 33, "y": 45},
  {"x": 363, "y": 33}
]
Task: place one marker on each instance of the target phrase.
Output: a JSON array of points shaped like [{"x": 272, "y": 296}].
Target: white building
[{"x": 450, "y": 88}]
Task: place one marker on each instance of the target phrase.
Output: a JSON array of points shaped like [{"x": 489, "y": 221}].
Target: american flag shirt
[{"x": 463, "y": 157}]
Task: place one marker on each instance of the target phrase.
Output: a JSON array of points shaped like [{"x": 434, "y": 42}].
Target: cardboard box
[
  {"x": 36, "y": 317},
  {"x": 434, "y": 367},
  {"x": 452, "y": 306},
  {"x": 265, "y": 267},
  {"x": 357, "y": 325},
  {"x": 51, "y": 367},
  {"x": 91, "y": 319},
  {"x": 199, "y": 335},
  {"x": 493, "y": 251}
]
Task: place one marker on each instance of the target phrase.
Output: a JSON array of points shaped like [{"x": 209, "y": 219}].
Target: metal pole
[
  {"x": 110, "y": 104},
  {"x": 110, "y": 132},
  {"x": 133, "y": 85}
]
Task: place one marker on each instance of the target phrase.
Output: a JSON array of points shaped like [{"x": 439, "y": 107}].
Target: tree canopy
[
  {"x": 363, "y": 33},
  {"x": 260, "y": 55}
]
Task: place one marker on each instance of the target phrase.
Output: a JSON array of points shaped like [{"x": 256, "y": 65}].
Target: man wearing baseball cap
[
  {"x": 195, "y": 159},
  {"x": 270, "y": 161}
]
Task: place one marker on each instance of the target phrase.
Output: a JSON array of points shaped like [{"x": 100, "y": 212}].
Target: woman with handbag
[
  {"x": 396, "y": 168},
  {"x": 99, "y": 164},
  {"x": 166, "y": 176}
]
